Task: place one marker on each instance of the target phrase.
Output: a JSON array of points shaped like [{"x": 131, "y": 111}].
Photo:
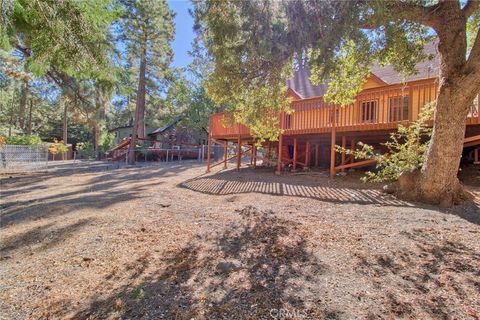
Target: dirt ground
[{"x": 170, "y": 242}]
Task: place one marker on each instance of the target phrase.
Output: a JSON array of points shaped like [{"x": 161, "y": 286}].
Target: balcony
[{"x": 374, "y": 109}]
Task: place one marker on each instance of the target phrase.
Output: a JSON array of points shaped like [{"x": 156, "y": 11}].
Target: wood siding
[{"x": 375, "y": 108}]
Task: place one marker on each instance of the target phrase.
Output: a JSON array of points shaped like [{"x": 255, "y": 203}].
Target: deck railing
[
  {"x": 218, "y": 127},
  {"x": 373, "y": 109}
]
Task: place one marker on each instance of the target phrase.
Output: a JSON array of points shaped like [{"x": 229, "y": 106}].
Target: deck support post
[
  {"x": 225, "y": 151},
  {"x": 239, "y": 153},
  {"x": 294, "y": 154},
  {"x": 254, "y": 153},
  {"x": 475, "y": 155},
  {"x": 209, "y": 149},
  {"x": 251, "y": 155},
  {"x": 344, "y": 145},
  {"x": 352, "y": 148},
  {"x": 279, "y": 155},
  {"x": 307, "y": 155},
  {"x": 269, "y": 153},
  {"x": 316, "y": 155},
  {"x": 332, "y": 144}
]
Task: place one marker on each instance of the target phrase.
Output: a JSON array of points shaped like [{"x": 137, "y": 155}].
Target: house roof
[
  {"x": 118, "y": 128},
  {"x": 166, "y": 127},
  {"x": 426, "y": 69}
]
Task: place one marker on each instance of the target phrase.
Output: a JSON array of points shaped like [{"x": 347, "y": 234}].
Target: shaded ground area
[{"x": 170, "y": 242}]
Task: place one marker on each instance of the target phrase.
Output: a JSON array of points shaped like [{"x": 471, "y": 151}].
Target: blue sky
[{"x": 184, "y": 33}]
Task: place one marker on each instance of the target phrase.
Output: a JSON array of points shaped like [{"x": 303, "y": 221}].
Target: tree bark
[
  {"x": 23, "y": 105},
  {"x": 29, "y": 126},
  {"x": 65, "y": 122},
  {"x": 11, "y": 118},
  {"x": 138, "y": 124},
  {"x": 437, "y": 181},
  {"x": 97, "y": 132}
]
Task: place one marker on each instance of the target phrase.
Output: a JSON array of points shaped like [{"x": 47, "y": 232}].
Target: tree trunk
[
  {"x": 437, "y": 181},
  {"x": 29, "y": 126},
  {"x": 96, "y": 134},
  {"x": 65, "y": 122},
  {"x": 11, "y": 121},
  {"x": 138, "y": 124},
  {"x": 23, "y": 105},
  {"x": 98, "y": 120}
]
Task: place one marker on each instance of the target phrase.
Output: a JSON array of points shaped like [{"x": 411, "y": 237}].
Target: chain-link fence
[
  {"x": 17, "y": 158},
  {"x": 198, "y": 153},
  {"x": 94, "y": 155}
]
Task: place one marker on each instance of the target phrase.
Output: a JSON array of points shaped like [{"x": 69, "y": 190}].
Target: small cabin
[{"x": 176, "y": 134}]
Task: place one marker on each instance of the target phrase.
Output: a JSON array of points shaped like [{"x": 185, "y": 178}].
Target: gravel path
[{"x": 170, "y": 242}]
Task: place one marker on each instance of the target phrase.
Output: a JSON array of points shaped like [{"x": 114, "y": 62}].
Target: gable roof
[
  {"x": 426, "y": 69},
  {"x": 166, "y": 127},
  {"x": 301, "y": 85}
]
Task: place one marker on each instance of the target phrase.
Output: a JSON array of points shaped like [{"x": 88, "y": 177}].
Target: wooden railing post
[
  {"x": 352, "y": 148},
  {"x": 209, "y": 150},
  {"x": 269, "y": 153},
  {"x": 239, "y": 153},
  {"x": 307, "y": 155},
  {"x": 225, "y": 151},
  {"x": 410, "y": 104},
  {"x": 279, "y": 155},
  {"x": 294, "y": 154},
  {"x": 332, "y": 144},
  {"x": 280, "y": 144}
]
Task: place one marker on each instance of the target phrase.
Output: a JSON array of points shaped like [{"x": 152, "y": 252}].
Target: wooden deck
[
  {"x": 310, "y": 133},
  {"x": 373, "y": 110}
]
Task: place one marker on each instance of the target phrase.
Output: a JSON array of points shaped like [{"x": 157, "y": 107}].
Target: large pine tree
[
  {"x": 65, "y": 42},
  {"x": 147, "y": 29}
]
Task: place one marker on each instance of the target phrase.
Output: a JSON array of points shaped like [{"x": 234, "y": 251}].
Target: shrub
[
  {"x": 406, "y": 149},
  {"x": 106, "y": 141},
  {"x": 24, "y": 140},
  {"x": 86, "y": 150},
  {"x": 58, "y": 148},
  {"x": 62, "y": 147}
]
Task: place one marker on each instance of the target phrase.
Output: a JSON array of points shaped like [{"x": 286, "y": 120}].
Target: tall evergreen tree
[
  {"x": 64, "y": 41},
  {"x": 147, "y": 29}
]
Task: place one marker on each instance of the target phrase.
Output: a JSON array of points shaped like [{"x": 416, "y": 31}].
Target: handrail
[{"x": 373, "y": 109}]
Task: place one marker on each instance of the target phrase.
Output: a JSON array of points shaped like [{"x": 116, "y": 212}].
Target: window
[
  {"x": 397, "y": 109},
  {"x": 369, "y": 110}
]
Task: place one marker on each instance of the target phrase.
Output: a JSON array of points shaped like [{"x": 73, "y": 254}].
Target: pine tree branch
[
  {"x": 470, "y": 7},
  {"x": 426, "y": 16},
  {"x": 472, "y": 66}
]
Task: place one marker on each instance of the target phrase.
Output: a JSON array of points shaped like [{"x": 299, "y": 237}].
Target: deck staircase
[{"x": 119, "y": 152}]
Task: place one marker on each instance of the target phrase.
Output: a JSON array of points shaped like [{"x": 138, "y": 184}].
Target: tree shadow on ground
[
  {"x": 256, "y": 265},
  {"x": 101, "y": 191},
  {"x": 40, "y": 238},
  {"x": 429, "y": 280},
  {"x": 324, "y": 189},
  {"x": 321, "y": 188}
]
